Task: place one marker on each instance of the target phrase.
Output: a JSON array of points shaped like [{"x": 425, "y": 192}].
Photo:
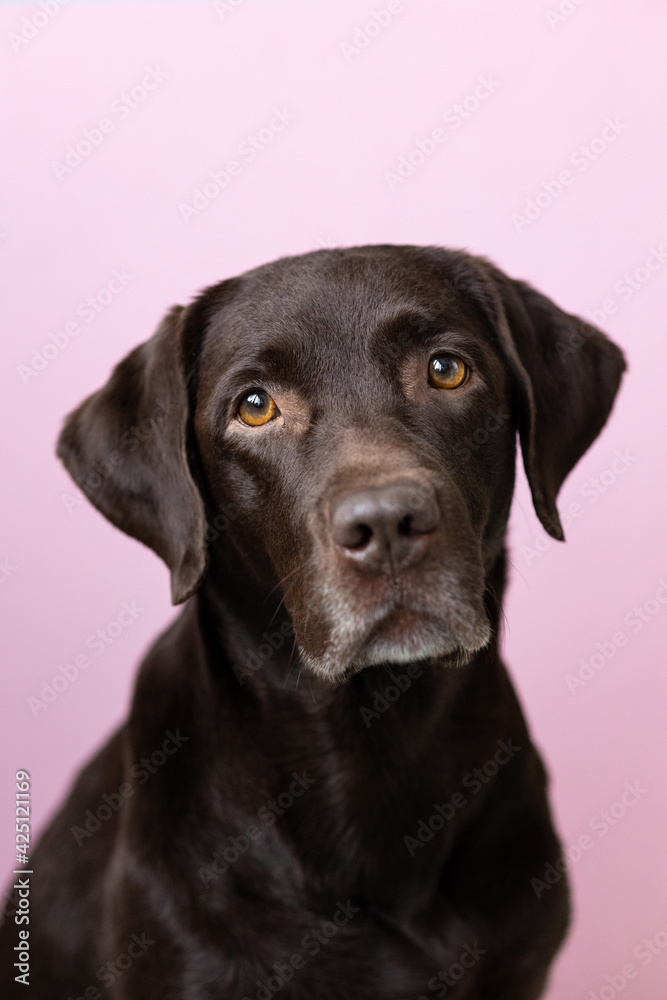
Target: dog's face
[
  {"x": 358, "y": 409},
  {"x": 334, "y": 400}
]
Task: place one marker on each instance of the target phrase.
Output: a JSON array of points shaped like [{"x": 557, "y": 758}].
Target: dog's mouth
[{"x": 404, "y": 633}]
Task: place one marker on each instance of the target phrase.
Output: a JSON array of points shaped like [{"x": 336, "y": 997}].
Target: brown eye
[
  {"x": 257, "y": 408},
  {"x": 446, "y": 371}
]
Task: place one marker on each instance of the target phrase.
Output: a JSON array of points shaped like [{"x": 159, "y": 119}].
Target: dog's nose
[{"x": 385, "y": 528}]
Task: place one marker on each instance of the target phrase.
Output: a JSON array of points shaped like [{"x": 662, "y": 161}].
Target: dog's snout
[{"x": 385, "y": 528}]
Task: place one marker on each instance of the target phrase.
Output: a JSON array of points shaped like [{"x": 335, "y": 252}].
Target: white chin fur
[{"x": 429, "y": 642}]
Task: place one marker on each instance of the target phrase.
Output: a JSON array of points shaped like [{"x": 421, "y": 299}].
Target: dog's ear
[
  {"x": 566, "y": 376},
  {"x": 126, "y": 447}
]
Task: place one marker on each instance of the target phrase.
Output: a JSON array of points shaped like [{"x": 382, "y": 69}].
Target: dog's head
[{"x": 355, "y": 413}]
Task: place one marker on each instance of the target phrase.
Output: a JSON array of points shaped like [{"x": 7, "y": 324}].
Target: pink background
[{"x": 321, "y": 181}]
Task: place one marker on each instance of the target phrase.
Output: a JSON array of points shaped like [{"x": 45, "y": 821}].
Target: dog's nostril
[
  {"x": 358, "y": 537},
  {"x": 350, "y": 528},
  {"x": 405, "y": 525}
]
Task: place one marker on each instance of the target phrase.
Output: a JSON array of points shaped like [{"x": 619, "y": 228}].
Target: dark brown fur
[{"x": 342, "y": 339}]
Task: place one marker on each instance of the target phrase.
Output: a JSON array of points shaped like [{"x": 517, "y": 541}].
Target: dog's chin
[{"x": 401, "y": 637}]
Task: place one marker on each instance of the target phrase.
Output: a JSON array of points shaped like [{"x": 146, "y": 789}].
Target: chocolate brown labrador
[{"x": 325, "y": 789}]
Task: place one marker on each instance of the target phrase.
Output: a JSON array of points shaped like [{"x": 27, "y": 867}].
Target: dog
[{"x": 325, "y": 789}]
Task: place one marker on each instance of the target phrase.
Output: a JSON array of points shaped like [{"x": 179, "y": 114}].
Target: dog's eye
[
  {"x": 446, "y": 371},
  {"x": 257, "y": 408}
]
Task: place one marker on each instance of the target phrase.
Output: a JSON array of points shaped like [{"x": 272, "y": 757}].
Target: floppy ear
[
  {"x": 566, "y": 375},
  {"x": 126, "y": 448}
]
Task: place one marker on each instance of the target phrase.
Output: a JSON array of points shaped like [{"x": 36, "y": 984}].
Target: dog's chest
[{"x": 354, "y": 832}]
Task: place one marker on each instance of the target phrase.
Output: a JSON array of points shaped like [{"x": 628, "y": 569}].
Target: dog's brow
[
  {"x": 269, "y": 364},
  {"x": 408, "y": 322},
  {"x": 246, "y": 375},
  {"x": 419, "y": 331}
]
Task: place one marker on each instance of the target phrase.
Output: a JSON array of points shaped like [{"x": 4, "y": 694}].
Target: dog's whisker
[
  {"x": 281, "y": 602},
  {"x": 290, "y": 666},
  {"x": 288, "y": 575},
  {"x": 517, "y": 570},
  {"x": 287, "y": 676},
  {"x": 312, "y": 694}
]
